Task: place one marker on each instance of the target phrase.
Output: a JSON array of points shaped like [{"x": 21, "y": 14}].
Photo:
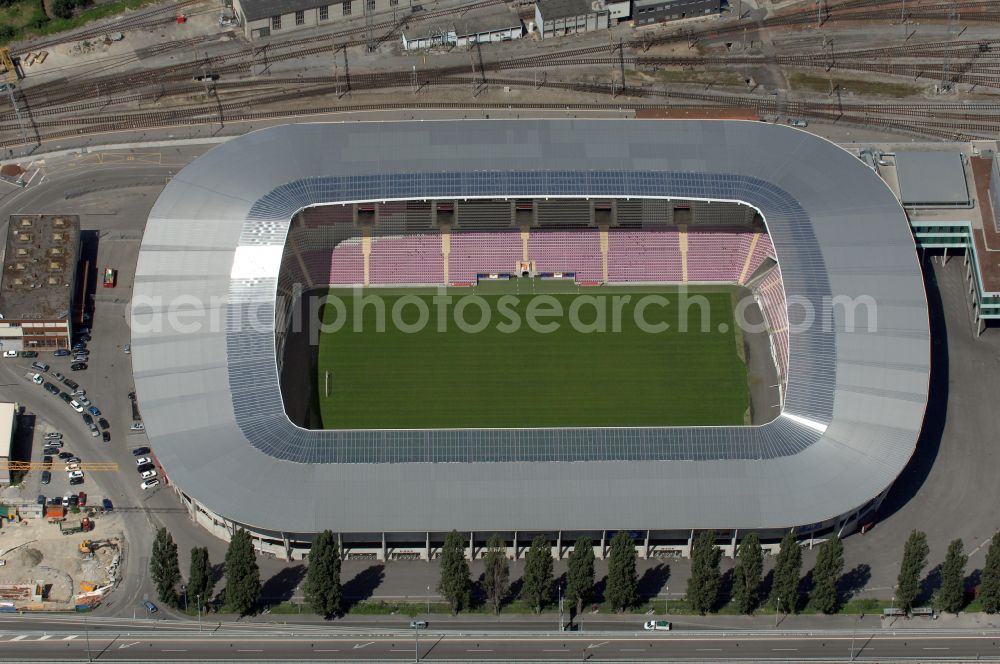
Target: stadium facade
[{"x": 204, "y": 349}]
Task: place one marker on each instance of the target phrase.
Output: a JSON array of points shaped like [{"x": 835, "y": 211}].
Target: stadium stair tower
[
  {"x": 366, "y": 250},
  {"x": 445, "y": 249},
  {"x": 604, "y": 253},
  {"x": 682, "y": 242},
  {"x": 525, "y": 234},
  {"x": 746, "y": 263}
]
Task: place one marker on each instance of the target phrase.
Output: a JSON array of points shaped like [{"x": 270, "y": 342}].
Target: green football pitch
[{"x": 426, "y": 371}]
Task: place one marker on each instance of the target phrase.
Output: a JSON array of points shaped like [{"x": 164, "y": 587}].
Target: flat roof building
[
  {"x": 8, "y": 425},
  {"x": 555, "y": 18},
  {"x": 38, "y": 282},
  {"x": 484, "y": 26},
  {"x": 266, "y": 18},
  {"x": 932, "y": 179}
]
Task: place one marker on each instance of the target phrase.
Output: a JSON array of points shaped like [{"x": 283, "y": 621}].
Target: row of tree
[{"x": 324, "y": 592}]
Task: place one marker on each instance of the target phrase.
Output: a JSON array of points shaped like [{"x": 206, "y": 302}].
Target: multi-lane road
[{"x": 124, "y": 640}]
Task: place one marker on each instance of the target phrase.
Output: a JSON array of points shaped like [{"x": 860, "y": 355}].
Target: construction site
[{"x": 62, "y": 561}]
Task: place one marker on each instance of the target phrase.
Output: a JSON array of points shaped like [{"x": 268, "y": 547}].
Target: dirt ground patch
[{"x": 35, "y": 550}]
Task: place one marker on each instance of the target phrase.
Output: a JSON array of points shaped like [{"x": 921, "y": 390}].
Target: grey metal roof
[
  {"x": 254, "y": 10},
  {"x": 854, "y": 403},
  {"x": 553, "y": 9},
  {"x": 932, "y": 179}
]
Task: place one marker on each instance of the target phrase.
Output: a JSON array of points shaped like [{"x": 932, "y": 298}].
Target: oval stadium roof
[{"x": 203, "y": 338}]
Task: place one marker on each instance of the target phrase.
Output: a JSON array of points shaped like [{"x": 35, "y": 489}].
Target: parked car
[
  {"x": 62, "y": 352},
  {"x": 58, "y": 376},
  {"x": 40, "y": 366},
  {"x": 55, "y": 500},
  {"x": 50, "y": 451},
  {"x": 106, "y": 504},
  {"x": 73, "y": 459},
  {"x": 150, "y": 607},
  {"x": 46, "y": 477},
  {"x": 74, "y": 501},
  {"x": 53, "y": 435},
  {"x": 65, "y": 455},
  {"x": 79, "y": 392},
  {"x": 144, "y": 467},
  {"x": 50, "y": 388},
  {"x": 71, "y": 384},
  {"x": 93, "y": 410},
  {"x": 37, "y": 379},
  {"x": 65, "y": 397},
  {"x": 71, "y": 467},
  {"x": 80, "y": 358},
  {"x": 137, "y": 426},
  {"x": 84, "y": 401},
  {"x": 75, "y": 481},
  {"x": 94, "y": 431},
  {"x": 29, "y": 353},
  {"x": 77, "y": 406},
  {"x": 79, "y": 345},
  {"x": 41, "y": 499},
  {"x": 149, "y": 484},
  {"x": 106, "y": 436},
  {"x": 75, "y": 473},
  {"x": 47, "y": 459},
  {"x": 140, "y": 451},
  {"x": 78, "y": 366},
  {"x": 142, "y": 460},
  {"x": 54, "y": 443},
  {"x": 104, "y": 423},
  {"x": 88, "y": 420},
  {"x": 657, "y": 626},
  {"x": 10, "y": 353},
  {"x": 83, "y": 499},
  {"x": 147, "y": 474}
]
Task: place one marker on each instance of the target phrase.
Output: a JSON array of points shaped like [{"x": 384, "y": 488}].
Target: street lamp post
[
  {"x": 666, "y": 602},
  {"x": 777, "y": 609},
  {"x": 86, "y": 630},
  {"x": 416, "y": 644},
  {"x": 184, "y": 591},
  {"x": 199, "y": 612},
  {"x": 854, "y": 634},
  {"x": 560, "y": 608}
]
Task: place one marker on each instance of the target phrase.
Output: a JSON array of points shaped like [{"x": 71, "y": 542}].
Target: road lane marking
[
  {"x": 936, "y": 648},
  {"x": 45, "y": 637},
  {"x": 250, "y": 650},
  {"x": 709, "y": 649},
  {"x": 784, "y": 649},
  {"x": 362, "y": 645},
  {"x": 128, "y": 645},
  {"x": 326, "y": 650},
  {"x": 557, "y": 650},
  {"x": 169, "y": 650},
  {"x": 70, "y": 637},
  {"x": 18, "y": 638},
  {"x": 597, "y": 645},
  {"x": 632, "y": 649},
  {"x": 478, "y": 650}
]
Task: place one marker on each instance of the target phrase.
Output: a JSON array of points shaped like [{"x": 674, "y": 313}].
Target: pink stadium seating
[
  {"x": 717, "y": 255},
  {"x": 567, "y": 251},
  {"x": 414, "y": 259},
  {"x": 345, "y": 266},
  {"x": 473, "y": 253},
  {"x": 644, "y": 256}
]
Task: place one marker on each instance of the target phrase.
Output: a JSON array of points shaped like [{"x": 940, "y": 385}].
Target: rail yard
[{"x": 922, "y": 68}]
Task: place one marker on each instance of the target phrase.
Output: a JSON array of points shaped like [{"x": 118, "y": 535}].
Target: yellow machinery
[{"x": 11, "y": 69}]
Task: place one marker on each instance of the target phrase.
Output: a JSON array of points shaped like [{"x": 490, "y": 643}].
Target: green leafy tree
[
  {"x": 322, "y": 588},
  {"x": 914, "y": 560},
  {"x": 580, "y": 573},
  {"x": 63, "y": 8},
  {"x": 164, "y": 568},
  {"x": 201, "y": 580},
  {"x": 989, "y": 590},
  {"x": 538, "y": 579},
  {"x": 787, "y": 571},
  {"x": 242, "y": 574},
  {"x": 623, "y": 582},
  {"x": 703, "y": 585},
  {"x": 496, "y": 575},
  {"x": 951, "y": 594},
  {"x": 748, "y": 573},
  {"x": 826, "y": 573},
  {"x": 455, "y": 584}
]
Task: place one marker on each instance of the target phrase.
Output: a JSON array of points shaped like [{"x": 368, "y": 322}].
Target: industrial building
[
  {"x": 8, "y": 427},
  {"x": 37, "y": 288},
  {"x": 555, "y": 18},
  {"x": 646, "y": 12},
  {"x": 264, "y": 18},
  {"x": 484, "y": 26}
]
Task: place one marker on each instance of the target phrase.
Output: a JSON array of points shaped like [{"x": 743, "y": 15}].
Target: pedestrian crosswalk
[{"x": 36, "y": 637}]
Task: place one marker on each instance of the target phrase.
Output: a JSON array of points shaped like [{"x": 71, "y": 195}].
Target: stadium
[{"x": 796, "y": 408}]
